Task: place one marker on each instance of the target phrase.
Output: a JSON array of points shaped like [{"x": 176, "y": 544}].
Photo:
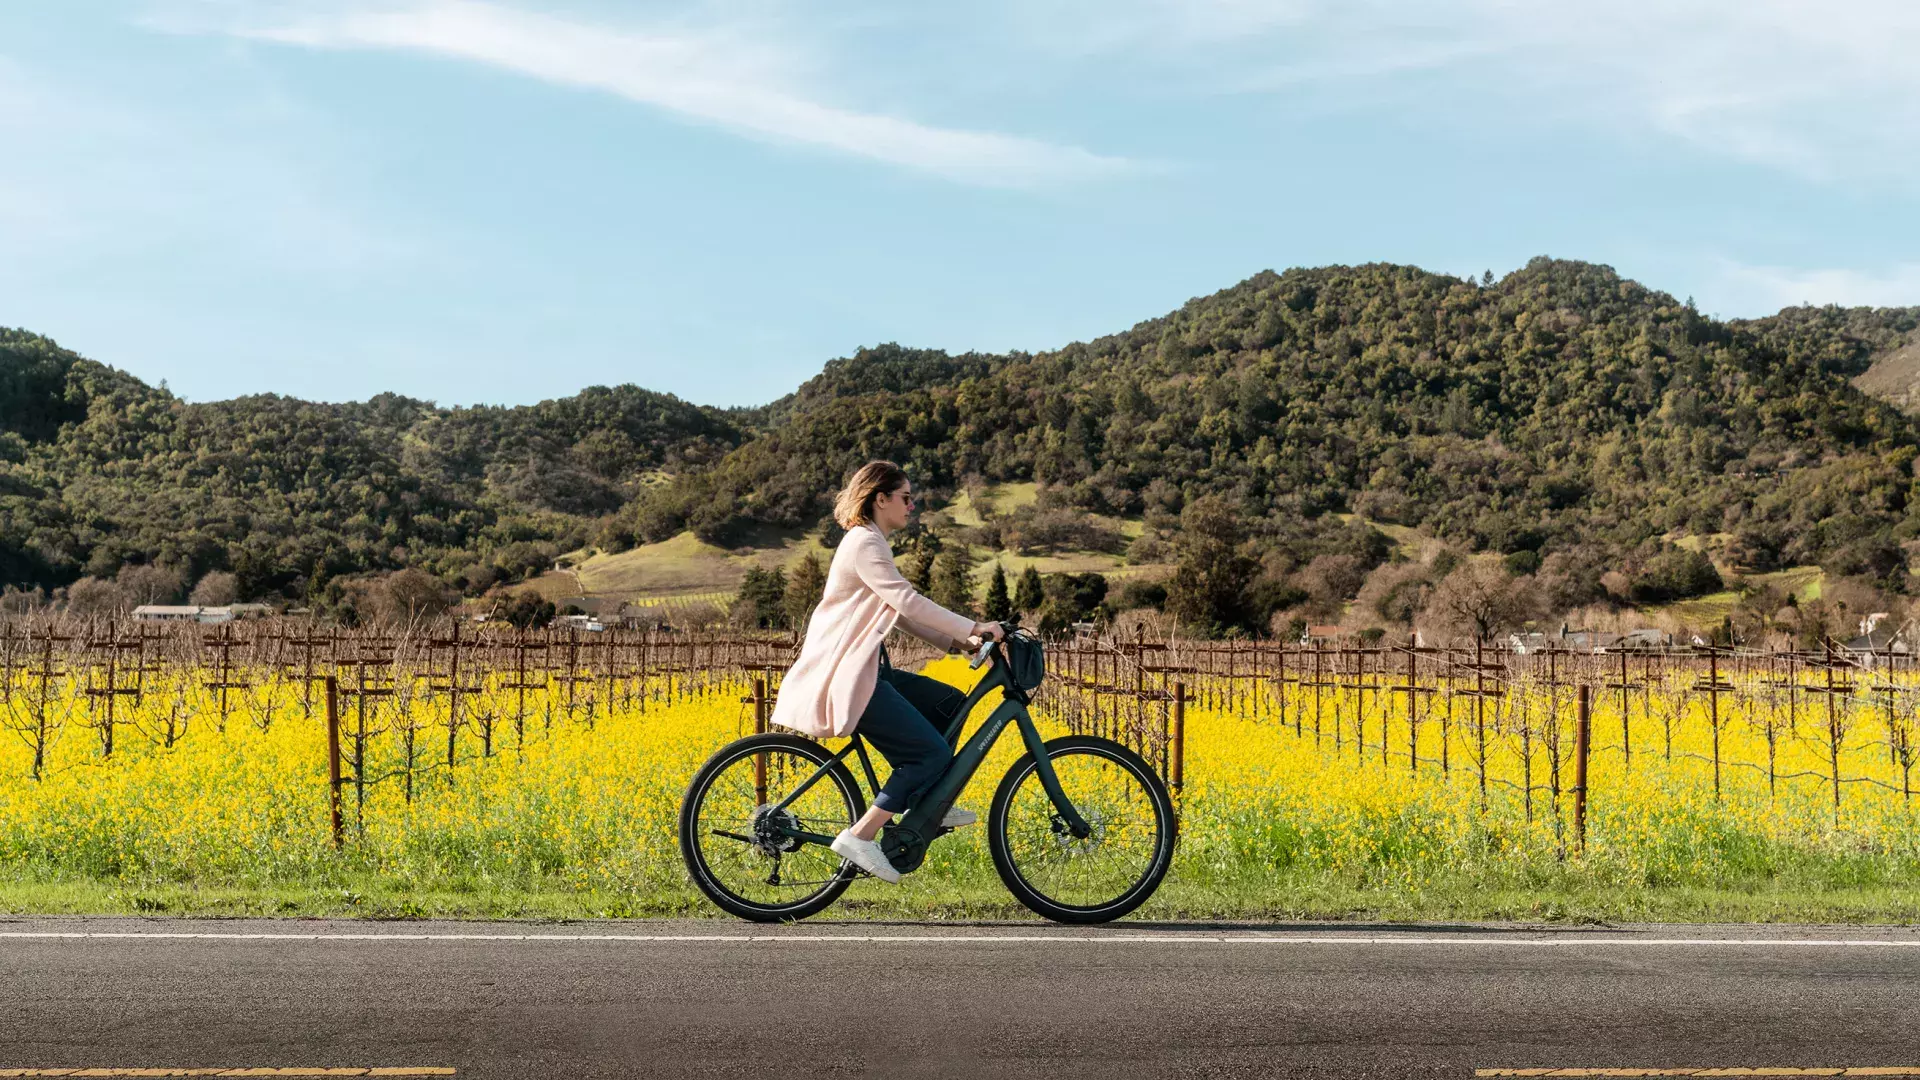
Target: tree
[
  {"x": 919, "y": 570},
  {"x": 149, "y": 584},
  {"x": 805, "y": 586},
  {"x": 1396, "y": 593},
  {"x": 1481, "y": 598},
  {"x": 999, "y": 606},
  {"x": 15, "y": 601},
  {"x": 1076, "y": 596},
  {"x": 97, "y": 597},
  {"x": 526, "y": 609},
  {"x": 953, "y": 580},
  {"x": 216, "y": 588},
  {"x": 1674, "y": 574},
  {"x": 831, "y": 533},
  {"x": 1029, "y": 595},
  {"x": 412, "y": 596},
  {"x": 1210, "y": 586},
  {"x": 761, "y": 601}
]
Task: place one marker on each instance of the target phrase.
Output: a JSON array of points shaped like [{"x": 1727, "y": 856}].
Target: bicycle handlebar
[{"x": 986, "y": 648}]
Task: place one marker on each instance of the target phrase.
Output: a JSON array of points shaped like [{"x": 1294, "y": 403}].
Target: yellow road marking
[
  {"x": 1742, "y": 1070},
  {"x": 403, "y": 1070},
  {"x": 1727, "y": 1071}
]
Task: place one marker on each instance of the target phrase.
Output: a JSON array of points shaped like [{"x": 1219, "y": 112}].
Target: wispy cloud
[
  {"x": 1828, "y": 91},
  {"x": 712, "y": 76},
  {"x": 1769, "y": 288}
]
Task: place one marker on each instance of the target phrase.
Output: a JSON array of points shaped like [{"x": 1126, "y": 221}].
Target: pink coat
[{"x": 828, "y": 687}]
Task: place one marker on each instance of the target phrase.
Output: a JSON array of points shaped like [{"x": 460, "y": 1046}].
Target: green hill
[{"x": 1562, "y": 408}]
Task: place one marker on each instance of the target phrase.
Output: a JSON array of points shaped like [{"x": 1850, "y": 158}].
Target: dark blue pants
[{"x": 907, "y": 721}]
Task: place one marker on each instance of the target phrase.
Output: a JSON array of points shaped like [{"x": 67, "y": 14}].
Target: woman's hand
[{"x": 983, "y": 631}]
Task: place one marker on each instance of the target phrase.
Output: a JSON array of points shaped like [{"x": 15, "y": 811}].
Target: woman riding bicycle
[{"x": 843, "y": 679}]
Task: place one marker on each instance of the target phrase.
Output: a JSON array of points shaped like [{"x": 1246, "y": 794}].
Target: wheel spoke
[
  {"x": 761, "y": 868},
  {"x": 1123, "y": 842}
]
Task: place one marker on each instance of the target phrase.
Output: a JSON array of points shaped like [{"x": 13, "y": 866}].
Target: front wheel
[{"x": 1105, "y": 874}]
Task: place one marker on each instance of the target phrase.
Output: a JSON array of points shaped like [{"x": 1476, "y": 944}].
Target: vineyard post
[
  {"x": 1582, "y": 738},
  {"x": 1280, "y": 688},
  {"x": 1833, "y": 728},
  {"x": 1139, "y": 687},
  {"x": 453, "y": 701},
  {"x": 1319, "y": 653},
  {"x": 760, "y": 728},
  {"x": 1413, "y": 720},
  {"x": 333, "y": 760},
  {"x": 1479, "y": 714},
  {"x": 306, "y": 669},
  {"x": 1713, "y": 708},
  {"x": 646, "y": 662},
  {"x": 1179, "y": 769},
  {"x": 46, "y": 674},
  {"x": 1339, "y": 669},
  {"x": 1626, "y": 731}
]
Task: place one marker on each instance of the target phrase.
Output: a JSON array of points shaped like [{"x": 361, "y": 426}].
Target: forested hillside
[
  {"x": 98, "y": 470},
  {"x": 1562, "y": 401},
  {"x": 1561, "y": 410}
]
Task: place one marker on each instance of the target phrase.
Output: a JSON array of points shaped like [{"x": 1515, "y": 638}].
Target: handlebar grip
[{"x": 980, "y": 657}]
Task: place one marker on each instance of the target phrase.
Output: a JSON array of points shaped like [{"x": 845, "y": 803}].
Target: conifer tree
[
  {"x": 804, "y": 588},
  {"x": 953, "y": 580},
  {"x": 1028, "y": 596},
  {"x": 999, "y": 605}
]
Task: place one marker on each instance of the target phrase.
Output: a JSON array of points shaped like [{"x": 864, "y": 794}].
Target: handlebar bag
[{"x": 1026, "y": 661}]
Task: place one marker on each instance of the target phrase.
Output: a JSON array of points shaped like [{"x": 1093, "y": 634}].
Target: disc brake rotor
[
  {"x": 768, "y": 837},
  {"x": 1073, "y": 845}
]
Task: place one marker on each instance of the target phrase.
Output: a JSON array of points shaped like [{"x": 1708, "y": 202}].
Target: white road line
[{"x": 983, "y": 939}]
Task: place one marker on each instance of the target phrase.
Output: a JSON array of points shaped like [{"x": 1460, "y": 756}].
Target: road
[{"x": 710, "y": 999}]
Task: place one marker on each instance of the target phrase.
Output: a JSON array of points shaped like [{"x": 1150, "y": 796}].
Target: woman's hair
[{"x": 854, "y": 506}]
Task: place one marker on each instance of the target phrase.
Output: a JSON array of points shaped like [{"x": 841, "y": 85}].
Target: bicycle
[{"x": 1081, "y": 828}]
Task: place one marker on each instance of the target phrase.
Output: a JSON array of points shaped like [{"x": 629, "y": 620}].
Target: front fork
[{"x": 1050, "y": 780}]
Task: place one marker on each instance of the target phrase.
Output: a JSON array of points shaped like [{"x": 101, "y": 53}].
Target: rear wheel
[
  {"x": 1089, "y": 879},
  {"x": 732, "y": 840}
]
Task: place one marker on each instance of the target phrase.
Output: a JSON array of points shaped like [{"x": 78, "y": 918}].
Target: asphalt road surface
[{"x": 672, "y": 999}]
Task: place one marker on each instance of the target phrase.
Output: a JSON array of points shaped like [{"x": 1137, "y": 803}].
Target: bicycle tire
[
  {"x": 704, "y": 875},
  {"x": 1007, "y": 862}
]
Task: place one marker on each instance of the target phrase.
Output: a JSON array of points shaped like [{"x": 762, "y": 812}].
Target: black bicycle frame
[{"x": 922, "y": 823}]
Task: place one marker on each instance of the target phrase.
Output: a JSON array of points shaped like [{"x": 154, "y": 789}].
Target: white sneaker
[
  {"x": 957, "y": 817},
  {"x": 866, "y": 855}
]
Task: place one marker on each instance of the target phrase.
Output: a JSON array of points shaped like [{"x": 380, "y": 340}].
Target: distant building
[
  {"x": 167, "y": 613},
  {"x": 1642, "y": 640},
  {"x": 1323, "y": 634},
  {"x": 1564, "y": 640},
  {"x": 200, "y": 613},
  {"x": 1879, "y": 642},
  {"x": 578, "y": 622},
  {"x": 608, "y": 610}
]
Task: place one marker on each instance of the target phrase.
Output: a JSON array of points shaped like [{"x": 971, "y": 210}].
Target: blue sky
[{"x": 472, "y": 201}]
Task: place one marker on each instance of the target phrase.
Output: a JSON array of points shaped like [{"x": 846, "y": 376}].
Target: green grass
[
  {"x": 1559, "y": 897},
  {"x": 1801, "y": 582},
  {"x": 1408, "y": 542},
  {"x": 685, "y": 568}
]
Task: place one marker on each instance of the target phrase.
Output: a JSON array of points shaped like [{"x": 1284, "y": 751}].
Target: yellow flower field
[{"x": 584, "y": 803}]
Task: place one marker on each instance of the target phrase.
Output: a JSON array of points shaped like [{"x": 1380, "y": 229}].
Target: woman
[{"x": 844, "y": 680}]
